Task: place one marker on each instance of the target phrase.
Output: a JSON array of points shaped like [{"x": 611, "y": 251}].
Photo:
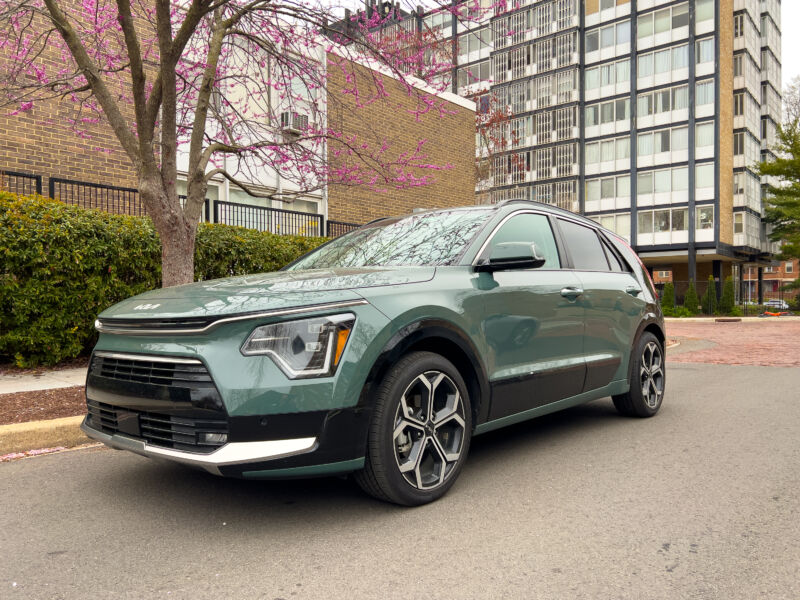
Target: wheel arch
[{"x": 440, "y": 337}]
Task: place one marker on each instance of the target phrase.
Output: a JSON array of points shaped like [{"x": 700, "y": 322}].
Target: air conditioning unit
[{"x": 292, "y": 122}]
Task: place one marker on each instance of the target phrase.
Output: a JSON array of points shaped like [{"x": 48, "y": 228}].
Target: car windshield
[{"x": 424, "y": 239}]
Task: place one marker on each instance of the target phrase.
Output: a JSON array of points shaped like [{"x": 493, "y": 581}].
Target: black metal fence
[
  {"x": 122, "y": 200},
  {"x": 274, "y": 220},
  {"x": 337, "y": 228},
  {"x": 109, "y": 198},
  {"x": 23, "y": 184}
]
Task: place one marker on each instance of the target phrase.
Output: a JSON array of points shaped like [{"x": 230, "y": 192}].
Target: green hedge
[{"x": 62, "y": 265}]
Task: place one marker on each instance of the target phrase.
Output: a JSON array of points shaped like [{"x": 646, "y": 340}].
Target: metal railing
[
  {"x": 23, "y": 184},
  {"x": 109, "y": 198},
  {"x": 274, "y": 220},
  {"x": 337, "y": 228},
  {"x": 123, "y": 200}
]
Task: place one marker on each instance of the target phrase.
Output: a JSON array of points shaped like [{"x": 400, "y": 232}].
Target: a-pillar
[{"x": 761, "y": 285}]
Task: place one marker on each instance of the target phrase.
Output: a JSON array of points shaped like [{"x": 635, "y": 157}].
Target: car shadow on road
[{"x": 186, "y": 496}]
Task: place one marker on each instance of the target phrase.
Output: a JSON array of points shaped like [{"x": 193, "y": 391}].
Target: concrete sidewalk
[
  {"x": 64, "y": 432},
  {"x": 47, "y": 380}
]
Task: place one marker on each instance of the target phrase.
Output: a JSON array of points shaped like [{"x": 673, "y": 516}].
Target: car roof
[{"x": 506, "y": 206}]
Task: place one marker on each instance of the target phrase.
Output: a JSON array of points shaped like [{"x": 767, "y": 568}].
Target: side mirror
[{"x": 512, "y": 255}]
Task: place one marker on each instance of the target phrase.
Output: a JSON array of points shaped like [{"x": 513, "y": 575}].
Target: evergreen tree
[
  {"x": 668, "y": 299},
  {"x": 709, "y": 299},
  {"x": 690, "y": 301},
  {"x": 728, "y": 299}
]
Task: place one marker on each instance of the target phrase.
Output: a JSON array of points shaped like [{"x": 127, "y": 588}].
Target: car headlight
[{"x": 303, "y": 348}]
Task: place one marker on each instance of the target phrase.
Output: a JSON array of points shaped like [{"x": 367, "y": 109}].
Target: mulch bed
[{"x": 41, "y": 405}]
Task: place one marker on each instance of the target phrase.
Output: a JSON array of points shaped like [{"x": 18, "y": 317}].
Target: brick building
[
  {"x": 449, "y": 141},
  {"x": 41, "y": 142}
]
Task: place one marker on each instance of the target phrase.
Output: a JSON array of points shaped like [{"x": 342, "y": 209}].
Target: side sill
[
  {"x": 612, "y": 389},
  {"x": 336, "y": 468}
]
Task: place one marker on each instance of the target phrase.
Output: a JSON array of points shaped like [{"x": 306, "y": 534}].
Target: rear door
[
  {"x": 532, "y": 322},
  {"x": 613, "y": 299}
]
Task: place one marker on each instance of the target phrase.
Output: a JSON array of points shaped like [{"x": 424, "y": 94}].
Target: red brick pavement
[{"x": 773, "y": 343}]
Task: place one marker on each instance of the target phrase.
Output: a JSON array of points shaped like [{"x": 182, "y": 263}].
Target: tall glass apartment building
[{"x": 648, "y": 116}]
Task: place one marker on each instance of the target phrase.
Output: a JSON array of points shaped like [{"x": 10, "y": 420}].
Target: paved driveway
[
  {"x": 699, "y": 502},
  {"x": 768, "y": 342}
]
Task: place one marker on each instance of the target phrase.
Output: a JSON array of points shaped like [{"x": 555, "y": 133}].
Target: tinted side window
[
  {"x": 613, "y": 260},
  {"x": 529, "y": 227},
  {"x": 584, "y": 247}
]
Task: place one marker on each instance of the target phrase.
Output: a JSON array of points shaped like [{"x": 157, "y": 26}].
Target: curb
[{"x": 19, "y": 437}]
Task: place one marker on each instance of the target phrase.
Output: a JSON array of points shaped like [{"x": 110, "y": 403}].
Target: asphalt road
[{"x": 702, "y": 501}]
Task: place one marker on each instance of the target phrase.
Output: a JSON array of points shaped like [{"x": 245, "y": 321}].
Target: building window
[
  {"x": 705, "y": 217},
  {"x": 788, "y": 267},
  {"x": 738, "y": 104},
  {"x": 738, "y": 223},
  {"x": 565, "y": 159},
  {"x": 565, "y": 121},
  {"x": 704, "y": 51},
  {"x": 704, "y": 176},
  {"x": 704, "y": 135},
  {"x": 737, "y": 65},
  {"x": 704, "y": 93},
  {"x": 704, "y": 10},
  {"x": 738, "y": 25},
  {"x": 544, "y": 94},
  {"x": 738, "y": 143},
  {"x": 544, "y": 125}
]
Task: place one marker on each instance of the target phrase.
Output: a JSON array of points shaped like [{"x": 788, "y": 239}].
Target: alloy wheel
[
  {"x": 429, "y": 430},
  {"x": 651, "y": 374}
]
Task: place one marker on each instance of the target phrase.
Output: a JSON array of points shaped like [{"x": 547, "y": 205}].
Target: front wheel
[
  {"x": 647, "y": 379},
  {"x": 419, "y": 433}
]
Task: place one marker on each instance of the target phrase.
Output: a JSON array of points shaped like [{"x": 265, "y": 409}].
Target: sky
[{"x": 790, "y": 53}]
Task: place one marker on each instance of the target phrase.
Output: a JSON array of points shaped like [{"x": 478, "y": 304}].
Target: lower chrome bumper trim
[{"x": 232, "y": 453}]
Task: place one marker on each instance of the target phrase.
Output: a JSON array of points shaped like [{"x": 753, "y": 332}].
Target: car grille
[
  {"x": 178, "y": 373},
  {"x": 168, "y": 431}
]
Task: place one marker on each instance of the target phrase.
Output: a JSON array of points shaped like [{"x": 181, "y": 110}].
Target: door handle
[
  {"x": 571, "y": 292},
  {"x": 633, "y": 290}
]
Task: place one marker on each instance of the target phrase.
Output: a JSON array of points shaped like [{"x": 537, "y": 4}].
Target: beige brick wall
[
  {"x": 450, "y": 140},
  {"x": 42, "y": 142},
  {"x": 725, "y": 109}
]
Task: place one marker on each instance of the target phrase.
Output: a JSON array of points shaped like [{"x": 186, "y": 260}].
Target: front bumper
[{"x": 237, "y": 454}]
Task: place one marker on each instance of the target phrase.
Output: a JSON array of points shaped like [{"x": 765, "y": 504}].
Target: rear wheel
[
  {"x": 647, "y": 380},
  {"x": 420, "y": 431}
]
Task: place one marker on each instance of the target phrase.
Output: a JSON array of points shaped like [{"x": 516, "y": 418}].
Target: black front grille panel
[
  {"x": 167, "y": 431},
  {"x": 175, "y": 374}
]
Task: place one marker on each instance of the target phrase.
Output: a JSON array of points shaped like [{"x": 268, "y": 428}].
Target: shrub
[
  {"x": 682, "y": 311},
  {"x": 62, "y": 265},
  {"x": 690, "y": 301},
  {"x": 726, "y": 303},
  {"x": 709, "y": 299},
  {"x": 668, "y": 297}
]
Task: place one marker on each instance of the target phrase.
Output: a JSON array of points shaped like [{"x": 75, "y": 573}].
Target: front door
[{"x": 533, "y": 323}]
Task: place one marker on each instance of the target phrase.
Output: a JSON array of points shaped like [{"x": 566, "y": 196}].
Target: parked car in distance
[
  {"x": 382, "y": 352},
  {"x": 775, "y": 303}
]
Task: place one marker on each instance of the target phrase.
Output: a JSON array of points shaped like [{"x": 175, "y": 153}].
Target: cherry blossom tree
[{"x": 203, "y": 87}]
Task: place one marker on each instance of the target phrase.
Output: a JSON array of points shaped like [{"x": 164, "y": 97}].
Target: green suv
[{"x": 382, "y": 352}]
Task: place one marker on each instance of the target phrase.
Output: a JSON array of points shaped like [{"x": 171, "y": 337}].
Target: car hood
[{"x": 265, "y": 291}]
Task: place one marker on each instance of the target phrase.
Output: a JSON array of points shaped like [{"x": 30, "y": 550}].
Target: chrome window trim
[{"x": 99, "y": 326}]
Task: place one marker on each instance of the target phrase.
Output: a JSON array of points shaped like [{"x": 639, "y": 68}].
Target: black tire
[
  {"x": 415, "y": 450},
  {"x": 647, "y": 379}
]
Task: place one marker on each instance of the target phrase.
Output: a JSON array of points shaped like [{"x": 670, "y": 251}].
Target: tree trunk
[
  {"x": 177, "y": 233},
  {"x": 177, "y": 253}
]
